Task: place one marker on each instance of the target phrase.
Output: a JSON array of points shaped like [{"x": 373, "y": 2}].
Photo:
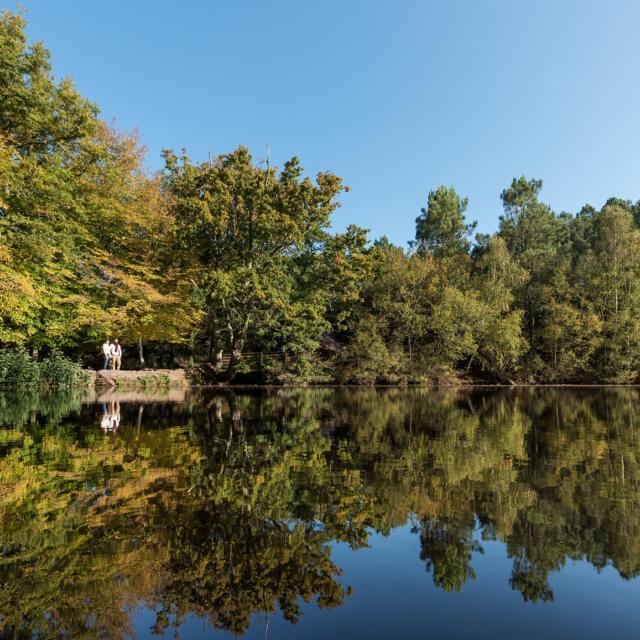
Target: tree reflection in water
[{"x": 227, "y": 504}]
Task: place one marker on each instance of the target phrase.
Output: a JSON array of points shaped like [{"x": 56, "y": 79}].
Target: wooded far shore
[{"x": 231, "y": 266}]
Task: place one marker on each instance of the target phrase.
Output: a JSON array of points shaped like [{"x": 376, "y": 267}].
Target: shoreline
[
  {"x": 434, "y": 385},
  {"x": 135, "y": 380}
]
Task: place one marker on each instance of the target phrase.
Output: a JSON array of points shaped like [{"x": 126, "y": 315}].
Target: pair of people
[{"x": 112, "y": 354}]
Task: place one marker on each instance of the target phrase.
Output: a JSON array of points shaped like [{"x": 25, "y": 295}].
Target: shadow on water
[{"x": 222, "y": 505}]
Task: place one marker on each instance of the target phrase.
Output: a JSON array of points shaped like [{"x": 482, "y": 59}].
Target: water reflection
[
  {"x": 222, "y": 505},
  {"x": 110, "y": 420}
]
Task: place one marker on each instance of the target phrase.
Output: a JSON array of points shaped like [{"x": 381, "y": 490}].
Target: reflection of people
[
  {"x": 105, "y": 423},
  {"x": 116, "y": 355},
  {"x": 106, "y": 352},
  {"x": 115, "y": 415},
  {"x": 110, "y": 419}
]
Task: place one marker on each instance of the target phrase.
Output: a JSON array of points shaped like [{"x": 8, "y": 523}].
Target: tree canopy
[{"x": 231, "y": 264}]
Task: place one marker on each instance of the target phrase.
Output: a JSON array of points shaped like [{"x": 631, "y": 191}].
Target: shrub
[
  {"x": 369, "y": 359},
  {"x": 17, "y": 367},
  {"x": 58, "y": 370}
]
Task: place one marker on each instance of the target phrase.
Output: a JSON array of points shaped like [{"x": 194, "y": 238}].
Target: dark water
[{"x": 321, "y": 514}]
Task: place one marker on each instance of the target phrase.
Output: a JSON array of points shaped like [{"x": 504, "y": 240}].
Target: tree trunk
[
  {"x": 140, "y": 353},
  {"x": 236, "y": 339},
  {"x": 215, "y": 352},
  {"x": 211, "y": 352},
  {"x": 236, "y": 356}
]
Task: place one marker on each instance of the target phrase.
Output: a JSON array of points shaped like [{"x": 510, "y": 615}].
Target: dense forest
[{"x": 204, "y": 263}]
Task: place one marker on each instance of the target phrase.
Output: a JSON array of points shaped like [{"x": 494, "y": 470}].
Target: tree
[
  {"x": 535, "y": 237},
  {"x": 83, "y": 230},
  {"x": 43, "y": 128},
  {"x": 441, "y": 229},
  {"x": 499, "y": 325},
  {"x": 240, "y": 228},
  {"x": 610, "y": 278}
]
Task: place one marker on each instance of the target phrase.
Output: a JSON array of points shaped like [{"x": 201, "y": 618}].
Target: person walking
[
  {"x": 106, "y": 352},
  {"x": 116, "y": 355}
]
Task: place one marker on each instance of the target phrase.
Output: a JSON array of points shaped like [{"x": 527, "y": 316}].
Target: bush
[
  {"x": 18, "y": 368},
  {"x": 368, "y": 359},
  {"x": 58, "y": 370}
]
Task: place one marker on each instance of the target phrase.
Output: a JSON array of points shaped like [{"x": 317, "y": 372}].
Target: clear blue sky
[{"x": 395, "y": 96}]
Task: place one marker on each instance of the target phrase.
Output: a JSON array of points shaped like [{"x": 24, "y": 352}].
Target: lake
[{"x": 321, "y": 513}]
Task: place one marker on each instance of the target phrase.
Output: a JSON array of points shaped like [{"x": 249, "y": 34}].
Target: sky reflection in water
[{"x": 320, "y": 513}]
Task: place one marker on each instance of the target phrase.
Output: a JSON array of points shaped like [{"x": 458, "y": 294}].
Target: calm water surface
[{"x": 321, "y": 513}]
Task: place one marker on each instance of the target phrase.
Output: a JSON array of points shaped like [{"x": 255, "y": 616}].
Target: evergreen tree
[{"x": 441, "y": 229}]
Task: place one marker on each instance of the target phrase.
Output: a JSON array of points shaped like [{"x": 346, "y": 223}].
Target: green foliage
[
  {"x": 610, "y": 275},
  {"x": 58, "y": 370},
  {"x": 18, "y": 368},
  {"x": 203, "y": 263},
  {"x": 144, "y": 381},
  {"x": 441, "y": 229},
  {"x": 83, "y": 232},
  {"x": 250, "y": 236},
  {"x": 369, "y": 359}
]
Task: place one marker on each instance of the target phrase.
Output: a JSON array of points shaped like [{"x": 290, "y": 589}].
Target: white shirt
[
  {"x": 116, "y": 350},
  {"x": 106, "y": 349}
]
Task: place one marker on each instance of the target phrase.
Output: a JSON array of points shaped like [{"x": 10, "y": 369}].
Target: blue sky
[{"x": 395, "y": 96}]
